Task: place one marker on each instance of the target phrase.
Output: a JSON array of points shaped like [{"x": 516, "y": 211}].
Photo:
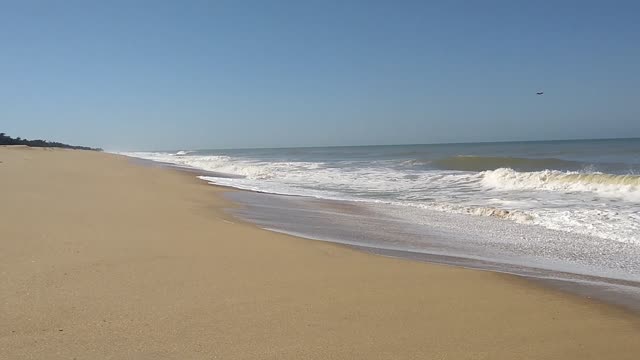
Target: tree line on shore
[{"x": 8, "y": 140}]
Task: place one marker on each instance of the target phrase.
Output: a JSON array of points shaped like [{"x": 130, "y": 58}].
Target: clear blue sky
[{"x": 213, "y": 74}]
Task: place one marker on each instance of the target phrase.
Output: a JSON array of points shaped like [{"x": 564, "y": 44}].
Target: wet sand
[
  {"x": 366, "y": 229},
  {"x": 101, "y": 257}
]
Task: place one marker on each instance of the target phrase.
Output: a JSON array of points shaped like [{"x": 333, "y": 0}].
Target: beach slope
[{"x": 101, "y": 257}]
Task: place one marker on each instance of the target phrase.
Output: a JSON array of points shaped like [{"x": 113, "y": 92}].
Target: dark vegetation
[{"x": 8, "y": 140}]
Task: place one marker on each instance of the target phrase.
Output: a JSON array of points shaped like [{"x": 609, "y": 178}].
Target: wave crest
[
  {"x": 183, "y": 152},
  {"x": 553, "y": 180}
]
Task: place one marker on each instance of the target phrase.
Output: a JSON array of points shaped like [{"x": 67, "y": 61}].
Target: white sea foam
[
  {"x": 183, "y": 152},
  {"x": 588, "y": 203}
]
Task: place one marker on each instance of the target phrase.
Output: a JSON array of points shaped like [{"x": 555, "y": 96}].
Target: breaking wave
[
  {"x": 554, "y": 180},
  {"x": 183, "y": 152}
]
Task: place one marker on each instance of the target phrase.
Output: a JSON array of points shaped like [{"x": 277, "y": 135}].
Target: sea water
[{"x": 564, "y": 205}]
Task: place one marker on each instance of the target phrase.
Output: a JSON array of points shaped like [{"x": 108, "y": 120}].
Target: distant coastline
[{"x": 8, "y": 140}]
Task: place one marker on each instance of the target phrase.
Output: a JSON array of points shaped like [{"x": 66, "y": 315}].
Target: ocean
[{"x": 568, "y": 206}]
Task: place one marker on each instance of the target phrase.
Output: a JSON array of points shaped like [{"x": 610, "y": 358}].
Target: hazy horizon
[{"x": 229, "y": 75}]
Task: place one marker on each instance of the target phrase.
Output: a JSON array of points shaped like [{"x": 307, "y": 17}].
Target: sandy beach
[{"x": 101, "y": 257}]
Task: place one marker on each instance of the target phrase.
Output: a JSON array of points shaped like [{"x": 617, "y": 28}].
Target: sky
[{"x": 153, "y": 75}]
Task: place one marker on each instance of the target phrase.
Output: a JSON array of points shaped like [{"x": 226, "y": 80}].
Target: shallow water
[
  {"x": 582, "y": 187},
  {"x": 558, "y": 206},
  {"x": 451, "y": 239}
]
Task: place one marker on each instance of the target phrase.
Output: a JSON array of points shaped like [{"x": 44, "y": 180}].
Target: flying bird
[{"x": 540, "y": 93}]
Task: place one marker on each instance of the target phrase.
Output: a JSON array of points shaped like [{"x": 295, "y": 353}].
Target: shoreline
[
  {"x": 589, "y": 287},
  {"x": 619, "y": 292},
  {"x": 592, "y": 287},
  {"x": 103, "y": 252}
]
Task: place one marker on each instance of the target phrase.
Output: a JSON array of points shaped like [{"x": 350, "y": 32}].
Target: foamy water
[
  {"x": 580, "y": 187},
  {"x": 565, "y": 211}
]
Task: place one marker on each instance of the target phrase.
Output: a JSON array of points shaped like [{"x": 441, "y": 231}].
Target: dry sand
[{"x": 103, "y": 258}]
